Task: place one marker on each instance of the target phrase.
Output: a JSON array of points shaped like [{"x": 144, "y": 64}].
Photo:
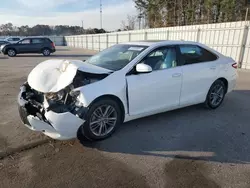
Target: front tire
[
  {"x": 102, "y": 119},
  {"x": 216, "y": 95},
  {"x": 46, "y": 52},
  {"x": 11, "y": 52}
]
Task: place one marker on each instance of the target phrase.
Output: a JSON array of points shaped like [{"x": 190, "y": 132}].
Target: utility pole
[
  {"x": 82, "y": 27},
  {"x": 101, "y": 14},
  {"x": 246, "y": 16},
  {"x": 140, "y": 18}
]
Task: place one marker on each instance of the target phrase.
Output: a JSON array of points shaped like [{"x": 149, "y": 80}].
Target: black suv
[{"x": 29, "y": 45}]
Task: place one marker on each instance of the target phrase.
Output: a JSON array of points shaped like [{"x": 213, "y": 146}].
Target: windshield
[{"x": 116, "y": 57}]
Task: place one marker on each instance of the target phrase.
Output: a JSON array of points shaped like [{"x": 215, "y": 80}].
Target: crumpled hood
[{"x": 56, "y": 74}]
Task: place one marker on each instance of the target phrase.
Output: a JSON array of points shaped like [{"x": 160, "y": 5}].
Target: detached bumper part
[{"x": 61, "y": 126}]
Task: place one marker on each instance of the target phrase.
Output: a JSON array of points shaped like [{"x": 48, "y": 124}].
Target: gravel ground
[{"x": 190, "y": 147}]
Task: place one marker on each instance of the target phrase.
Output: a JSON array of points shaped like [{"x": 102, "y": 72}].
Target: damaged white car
[{"x": 121, "y": 83}]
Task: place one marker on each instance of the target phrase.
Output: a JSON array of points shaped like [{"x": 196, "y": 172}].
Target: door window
[
  {"x": 25, "y": 41},
  {"x": 37, "y": 41},
  {"x": 162, "y": 58},
  {"x": 194, "y": 54}
]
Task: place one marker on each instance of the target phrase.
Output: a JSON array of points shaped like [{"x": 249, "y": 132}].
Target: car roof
[{"x": 160, "y": 42}]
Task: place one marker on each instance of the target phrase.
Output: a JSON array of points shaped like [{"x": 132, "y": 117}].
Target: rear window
[
  {"x": 37, "y": 41},
  {"x": 195, "y": 54},
  {"x": 16, "y": 39},
  {"x": 47, "y": 40}
]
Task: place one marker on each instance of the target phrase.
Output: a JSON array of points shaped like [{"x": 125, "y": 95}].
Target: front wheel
[
  {"x": 216, "y": 94},
  {"x": 11, "y": 53},
  {"x": 102, "y": 119},
  {"x": 46, "y": 52}
]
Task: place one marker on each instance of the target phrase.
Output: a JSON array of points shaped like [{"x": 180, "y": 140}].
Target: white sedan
[{"x": 124, "y": 82}]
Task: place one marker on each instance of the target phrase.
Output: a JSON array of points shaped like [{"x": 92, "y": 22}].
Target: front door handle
[{"x": 176, "y": 75}]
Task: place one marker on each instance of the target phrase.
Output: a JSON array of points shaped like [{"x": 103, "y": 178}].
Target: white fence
[
  {"x": 231, "y": 39},
  {"x": 58, "y": 40}
]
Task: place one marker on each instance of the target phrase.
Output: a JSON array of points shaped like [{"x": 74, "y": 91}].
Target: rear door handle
[{"x": 176, "y": 75}]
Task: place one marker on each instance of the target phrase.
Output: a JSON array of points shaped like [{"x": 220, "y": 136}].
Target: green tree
[{"x": 161, "y": 13}]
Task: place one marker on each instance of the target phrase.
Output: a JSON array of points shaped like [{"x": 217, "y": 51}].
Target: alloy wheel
[
  {"x": 103, "y": 120},
  {"x": 11, "y": 52},
  {"x": 46, "y": 52},
  {"x": 216, "y": 95}
]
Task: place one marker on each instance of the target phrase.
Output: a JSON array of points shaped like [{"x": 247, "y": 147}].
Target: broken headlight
[{"x": 55, "y": 96}]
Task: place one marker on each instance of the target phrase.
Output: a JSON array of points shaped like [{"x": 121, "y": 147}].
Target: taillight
[
  {"x": 53, "y": 44},
  {"x": 234, "y": 65}
]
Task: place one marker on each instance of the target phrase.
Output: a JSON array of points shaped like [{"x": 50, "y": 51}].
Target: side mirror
[{"x": 143, "y": 68}]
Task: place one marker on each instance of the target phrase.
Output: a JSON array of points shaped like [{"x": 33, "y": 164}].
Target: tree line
[
  {"x": 38, "y": 30},
  {"x": 152, "y": 14},
  {"x": 164, "y": 13}
]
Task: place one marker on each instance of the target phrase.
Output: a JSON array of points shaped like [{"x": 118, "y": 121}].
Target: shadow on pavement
[
  {"x": 68, "y": 167},
  {"x": 191, "y": 133},
  {"x": 63, "y": 49},
  {"x": 187, "y": 173}
]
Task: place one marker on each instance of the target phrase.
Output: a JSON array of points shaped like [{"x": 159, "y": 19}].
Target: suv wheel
[
  {"x": 11, "y": 53},
  {"x": 46, "y": 52}
]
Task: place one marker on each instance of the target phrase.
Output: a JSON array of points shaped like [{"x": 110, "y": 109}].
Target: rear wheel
[
  {"x": 102, "y": 119},
  {"x": 46, "y": 52},
  {"x": 216, "y": 94},
  {"x": 11, "y": 52}
]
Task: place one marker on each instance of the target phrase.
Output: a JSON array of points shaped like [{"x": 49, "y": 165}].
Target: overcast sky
[{"x": 66, "y": 12}]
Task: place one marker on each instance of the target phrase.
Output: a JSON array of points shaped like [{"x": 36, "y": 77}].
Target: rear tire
[
  {"x": 216, "y": 95},
  {"x": 108, "y": 115},
  {"x": 46, "y": 52},
  {"x": 11, "y": 52}
]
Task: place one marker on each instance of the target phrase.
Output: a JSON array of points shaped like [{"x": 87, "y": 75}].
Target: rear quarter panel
[{"x": 225, "y": 70}]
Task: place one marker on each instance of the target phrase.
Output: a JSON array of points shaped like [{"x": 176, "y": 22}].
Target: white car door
[
  {"x": 159, "y": 90},
  {"x": 200, "y": 69}
]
